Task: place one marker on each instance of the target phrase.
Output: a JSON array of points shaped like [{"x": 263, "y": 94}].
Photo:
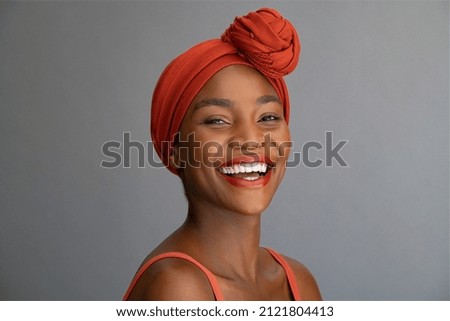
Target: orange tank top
[{"x": 211, "y": 278}]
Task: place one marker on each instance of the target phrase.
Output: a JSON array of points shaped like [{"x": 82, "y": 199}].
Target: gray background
[{"x": 75, "y": 75}]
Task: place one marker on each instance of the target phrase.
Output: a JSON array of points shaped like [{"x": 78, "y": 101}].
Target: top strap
[
  {"x": 292, "y": 281},
  {"x": 289, "y": 273},
  {"x": 211, "y": 278}
]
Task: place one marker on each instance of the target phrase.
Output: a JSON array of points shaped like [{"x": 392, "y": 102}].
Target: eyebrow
[
  {"x": 223, "y": 102},
  {"x": 268, "y": 99}
]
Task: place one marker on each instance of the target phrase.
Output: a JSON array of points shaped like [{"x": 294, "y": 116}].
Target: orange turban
[{"x": 263, "y": 40}]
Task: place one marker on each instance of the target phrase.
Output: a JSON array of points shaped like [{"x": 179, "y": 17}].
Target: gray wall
[{"x": 76, "y": 75}]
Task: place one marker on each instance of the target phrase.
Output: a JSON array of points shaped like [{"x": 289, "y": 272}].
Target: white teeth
[
  {"x": 244, "y": 168},
  {"x": 251, "y": 178}
]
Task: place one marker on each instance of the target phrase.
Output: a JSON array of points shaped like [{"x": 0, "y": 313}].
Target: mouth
[
  {"x": 244, "y": 172},
  {"x": 247, "y": 171}
]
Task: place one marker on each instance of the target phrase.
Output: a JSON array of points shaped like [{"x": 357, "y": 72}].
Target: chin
[{"x": 250, "y": 206}]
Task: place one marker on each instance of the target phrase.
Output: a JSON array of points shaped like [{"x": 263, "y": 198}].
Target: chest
[{"x": 264, "y": 290}]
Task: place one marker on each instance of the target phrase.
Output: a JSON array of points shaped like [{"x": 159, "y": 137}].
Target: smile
[{"x": 247, "y": 172}]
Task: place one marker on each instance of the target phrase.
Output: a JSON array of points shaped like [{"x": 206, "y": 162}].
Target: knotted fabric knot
[{"x": 267, "y": 40}]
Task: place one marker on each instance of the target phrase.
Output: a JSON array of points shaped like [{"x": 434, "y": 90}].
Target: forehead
[{"x": 237, "y": 81}]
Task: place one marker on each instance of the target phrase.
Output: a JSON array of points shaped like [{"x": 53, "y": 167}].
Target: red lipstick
[
  {"x": 254, "y": 158},
  {"x": 240, "y": 182},
  {"x": 238, "y": 171}
]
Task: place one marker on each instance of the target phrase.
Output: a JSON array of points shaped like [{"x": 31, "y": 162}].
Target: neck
[{"x": 230, "y": 236}]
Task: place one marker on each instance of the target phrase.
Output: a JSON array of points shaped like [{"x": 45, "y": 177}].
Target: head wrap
[{"x": 263, "y": 40}]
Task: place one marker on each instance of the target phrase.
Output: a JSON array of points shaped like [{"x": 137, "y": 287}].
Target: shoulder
[
  {"x": 309, "y": 290},
  {"x": 172, "y": 279}
]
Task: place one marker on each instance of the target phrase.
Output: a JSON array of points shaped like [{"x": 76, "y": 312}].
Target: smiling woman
[
  {"x": 246, "y": 120},
  {"x": 220, "y": 122}
]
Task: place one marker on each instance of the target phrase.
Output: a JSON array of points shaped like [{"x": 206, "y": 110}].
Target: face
[{"x": 233, "y": 143}]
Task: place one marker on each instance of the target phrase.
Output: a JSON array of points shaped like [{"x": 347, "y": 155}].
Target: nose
[{"x": 246, "y": 135}]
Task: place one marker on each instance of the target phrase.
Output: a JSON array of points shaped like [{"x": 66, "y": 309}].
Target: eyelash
[
  {"x": 273, "y": 118},
  {"x": 214, "y": 121},
  {"x": 219, "y": 121}
]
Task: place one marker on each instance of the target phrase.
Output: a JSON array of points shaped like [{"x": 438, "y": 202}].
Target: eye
[
  {"x": 214, "y": 121},
  {"x": 269, "y": 117}
]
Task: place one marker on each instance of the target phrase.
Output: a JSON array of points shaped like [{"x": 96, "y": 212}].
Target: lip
[
  {"x": 240, "y": 182},
  {"x": 249, "y": 159}
]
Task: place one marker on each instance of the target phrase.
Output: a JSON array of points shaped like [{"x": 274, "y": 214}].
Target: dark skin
[{"x": 222, "y": 228}]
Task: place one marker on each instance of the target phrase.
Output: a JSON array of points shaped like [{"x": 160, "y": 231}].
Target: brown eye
[
  {"x": 269, "y": 118},
  {"x": 214, "y": 121}
]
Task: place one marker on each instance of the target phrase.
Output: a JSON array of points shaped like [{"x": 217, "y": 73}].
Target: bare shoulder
[
  {"x": 172, "y": 279},
  {"x": 309, "y": 289}
]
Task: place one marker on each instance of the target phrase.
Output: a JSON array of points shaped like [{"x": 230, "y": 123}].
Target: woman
[{"x": 219, "y": 121}]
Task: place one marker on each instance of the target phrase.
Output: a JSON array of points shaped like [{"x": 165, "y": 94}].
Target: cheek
[
  {"x": 286, "y": 143},
  {"x": 198, "y": 151},
  {"x": 213, "y": 153},
  {"x": 212, "y": 148},
  {"x": 282, "y": 140}
]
